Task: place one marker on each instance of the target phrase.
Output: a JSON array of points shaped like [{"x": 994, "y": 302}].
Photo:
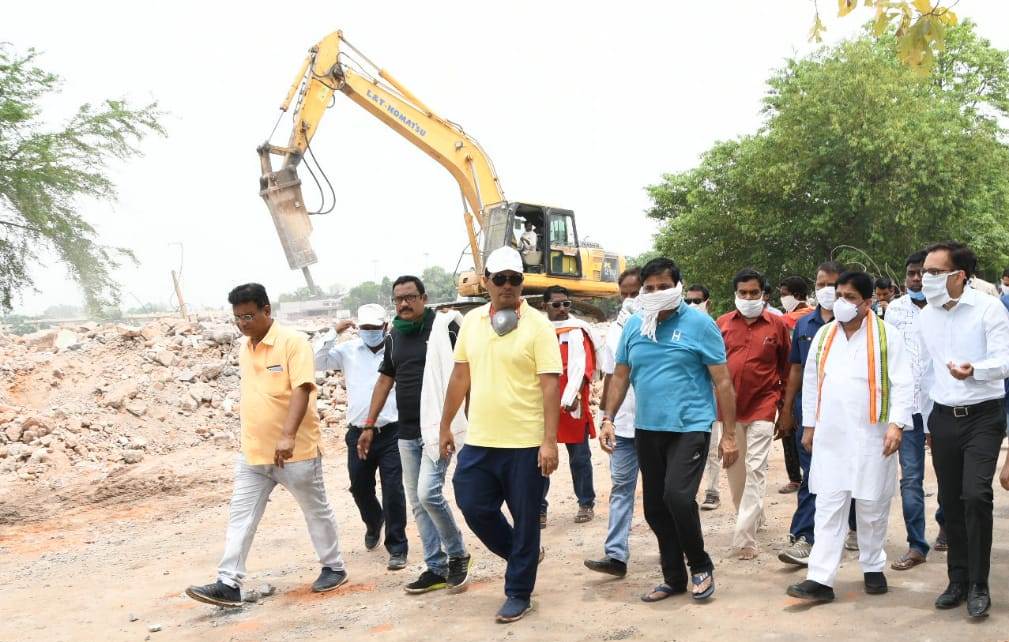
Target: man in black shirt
[{"x": 423, "y": 475}]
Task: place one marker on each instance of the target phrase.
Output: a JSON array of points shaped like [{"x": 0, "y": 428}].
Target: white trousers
[
  {"x": 253, "y": 485},
  {"x": 748, "y": 480},
  {"x": 714, "y": 465},
  {"x": 830, "y": 527}
]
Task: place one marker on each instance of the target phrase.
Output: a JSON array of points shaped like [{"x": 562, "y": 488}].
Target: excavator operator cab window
[
  {"x": 564, "y": 259},
  {"x": 528, "y": 227}
]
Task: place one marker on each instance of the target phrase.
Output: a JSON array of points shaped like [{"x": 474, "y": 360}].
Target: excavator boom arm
[{"x": 327, "y": 69}]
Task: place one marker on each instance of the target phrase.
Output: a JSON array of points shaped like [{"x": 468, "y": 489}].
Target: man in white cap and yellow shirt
[
  {"x": 359, "y": 360},
  {"x": 507, "y": 358}
]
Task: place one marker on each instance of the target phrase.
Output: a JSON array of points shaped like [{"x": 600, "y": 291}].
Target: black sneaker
[
  {"x": 328, "y": 580},
  {"x": 458, "y": 573},
  {"x": 513, "y": 609},
  {"x": 607, "y": 565},
  {"x": 427, "y": 581},
  {"x": 811, "y": 591},
  {"x": 218, "y": 594},
  {"x": 371, "y": 538},
  {"x": 875, "y": 583},
  {"x": 397, "y": 562}
]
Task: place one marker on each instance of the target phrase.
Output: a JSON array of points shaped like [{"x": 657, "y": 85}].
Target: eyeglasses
[
  {"x": 239, "y": 318},
  {"x": 406, "y": 298},
  {"x": 693, "y": 301},
  {"x": 556, "y": 305},
  {"x": 514, "y": 280}
]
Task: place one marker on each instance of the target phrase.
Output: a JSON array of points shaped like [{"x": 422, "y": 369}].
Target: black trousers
[
  {"x": 383, "y": 458},
  {"x": 672, "y": 464},
  {"x": 792, "y": 460},
  {"x": 965, "y": 450}
]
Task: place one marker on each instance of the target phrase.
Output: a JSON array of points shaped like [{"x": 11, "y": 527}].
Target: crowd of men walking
[{"x": 852, "y": 380}]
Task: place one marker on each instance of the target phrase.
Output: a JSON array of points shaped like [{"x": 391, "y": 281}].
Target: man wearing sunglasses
[
  {"x": 576, "y": 426},
  {"x": 508, "y": 360}
]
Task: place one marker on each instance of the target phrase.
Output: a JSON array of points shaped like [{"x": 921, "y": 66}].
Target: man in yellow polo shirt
[
  {"x": 280, "y": 445},
  {"x": 508, "y": 359}
]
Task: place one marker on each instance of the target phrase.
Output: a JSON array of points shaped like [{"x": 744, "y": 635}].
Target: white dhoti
[
  {"x": 848, "y": 443},
  {"x": 830, "y": 527}
]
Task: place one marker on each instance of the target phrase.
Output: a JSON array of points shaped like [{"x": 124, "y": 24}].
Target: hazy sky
[{"x": 579, "y": 104}]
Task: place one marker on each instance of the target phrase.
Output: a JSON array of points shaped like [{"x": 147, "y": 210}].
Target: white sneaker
[{"x": 797, "y": 553}]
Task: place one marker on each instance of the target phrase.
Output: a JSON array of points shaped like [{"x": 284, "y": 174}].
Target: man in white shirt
[
  {"x": 617, "y": 439},
  {"x": 359, "y": 359},
  {"x": 529, "y": 239},
  {"x": 903, "y": 314},
  {"x": 856, "y": 403},
  {"x": 965, "y": 337}
]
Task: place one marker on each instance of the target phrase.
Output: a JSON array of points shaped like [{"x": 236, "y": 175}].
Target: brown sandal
[{"x": 908, "y": 561}]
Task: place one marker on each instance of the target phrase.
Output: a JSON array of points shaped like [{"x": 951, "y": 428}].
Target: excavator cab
[{"x": 546, "y": 237}]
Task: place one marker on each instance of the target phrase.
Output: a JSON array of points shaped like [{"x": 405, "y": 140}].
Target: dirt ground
[{"x": 115, "y": 566}]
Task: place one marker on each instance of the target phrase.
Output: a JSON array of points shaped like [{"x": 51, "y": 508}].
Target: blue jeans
[
  {"x": 486, "y": 478},
  {"x": 423, "y": 480},
  {"x": 580, "y": 460},
  {"x": 912, "y": 491},
  {"x": 624, "y": 474},
  {"x": 805, "y": 511}
]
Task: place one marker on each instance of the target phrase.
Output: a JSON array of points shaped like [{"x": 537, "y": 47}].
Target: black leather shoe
[
  {"x": 607, "y": 565},
  {"x": 811, "y": 591},
  {"x": 952, "y": 597},
  {"x": 875, "y": 583},
  {"x": 978, "y": 601}
]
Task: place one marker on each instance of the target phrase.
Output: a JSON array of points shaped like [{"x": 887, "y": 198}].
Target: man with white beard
[{"x": 859, "y": 396}]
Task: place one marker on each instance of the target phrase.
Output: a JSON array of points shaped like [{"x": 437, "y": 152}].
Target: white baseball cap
[
  {"x": 504, "y": 259},
  {"x": 371, "y": 314}
]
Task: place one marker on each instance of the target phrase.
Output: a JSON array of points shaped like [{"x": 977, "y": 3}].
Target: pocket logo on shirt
[
  {"x": 676, "y": 335},
  {"x": 276, "y": 368}
]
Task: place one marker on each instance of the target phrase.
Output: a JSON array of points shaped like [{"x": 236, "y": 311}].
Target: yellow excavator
[{"x": 546, "y": 236}]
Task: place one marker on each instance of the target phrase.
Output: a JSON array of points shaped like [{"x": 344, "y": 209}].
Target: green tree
[
  {"x": 300, "y": 294},
  {"x": 47, "y": 171},
  {"x": 439, "y": 284},
  {"x": 367, "y": 292},
  {"x": 856, "y": 150}
]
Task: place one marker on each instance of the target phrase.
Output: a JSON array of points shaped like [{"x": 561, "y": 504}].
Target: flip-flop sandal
[
  {"x": 664, "y": 589},
  {"x": 697, "y": 579},
  {"x": 907, "y": 562}
]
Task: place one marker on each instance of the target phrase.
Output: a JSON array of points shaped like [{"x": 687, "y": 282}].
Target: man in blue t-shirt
[{"x": 675, "y": 358}]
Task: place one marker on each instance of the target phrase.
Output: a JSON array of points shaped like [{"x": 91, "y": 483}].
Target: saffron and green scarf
[{"x": 876, "y": 364}]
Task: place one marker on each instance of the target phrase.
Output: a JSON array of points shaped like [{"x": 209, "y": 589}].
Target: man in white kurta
[{"x": 854, "y": 427}]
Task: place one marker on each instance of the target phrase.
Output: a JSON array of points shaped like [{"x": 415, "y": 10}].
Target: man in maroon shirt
[{"x": 757, "y": 344}]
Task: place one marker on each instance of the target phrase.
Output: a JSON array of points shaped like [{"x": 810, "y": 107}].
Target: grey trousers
[{"x": 253, "y": 485}]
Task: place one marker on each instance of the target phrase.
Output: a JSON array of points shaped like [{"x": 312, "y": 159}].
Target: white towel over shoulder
[{"x": 437, "y": 371}]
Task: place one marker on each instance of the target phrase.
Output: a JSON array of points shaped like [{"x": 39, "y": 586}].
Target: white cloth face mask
[
  {"x": 934, "y": 287},
  {"x": 651, "y": 304},
  {"x": 826, "y": 297},
  {"x": 750, "y": 309},
  {"x": 844, "y": 311},
  {"x": 789, "y": 302}
]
